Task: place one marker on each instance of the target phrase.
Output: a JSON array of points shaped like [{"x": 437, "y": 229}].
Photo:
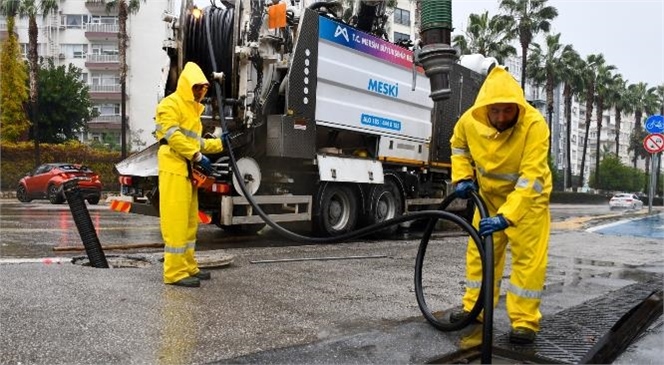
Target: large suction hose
[
  {"x": 485, "y": 297},
  {"x": 484, "y": 247}
]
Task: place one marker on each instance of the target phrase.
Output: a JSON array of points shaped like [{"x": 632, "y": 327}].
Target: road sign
[
  {"x": 654, "y": 143},
  {"x": 655, "y": 124}
]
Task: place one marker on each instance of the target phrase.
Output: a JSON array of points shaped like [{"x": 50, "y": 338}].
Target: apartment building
[{"x": 85, "y": 34}]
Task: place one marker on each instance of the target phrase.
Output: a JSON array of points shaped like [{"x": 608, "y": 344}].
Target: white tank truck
[{"x": 329, "y": 121}]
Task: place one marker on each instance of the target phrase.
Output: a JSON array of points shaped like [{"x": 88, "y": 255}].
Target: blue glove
[
  {"x": 203, "y": 162},
  {"x": 492, "y": 224},
  {"x": 464, "y": 187}
]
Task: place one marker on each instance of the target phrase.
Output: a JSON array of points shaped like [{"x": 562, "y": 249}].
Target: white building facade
[{"x": 84, "y": 34}]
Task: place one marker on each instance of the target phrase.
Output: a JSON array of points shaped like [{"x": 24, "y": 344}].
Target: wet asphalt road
[
  {"x": 300, "y": 312},
  {"x": 40, "y": 229}
]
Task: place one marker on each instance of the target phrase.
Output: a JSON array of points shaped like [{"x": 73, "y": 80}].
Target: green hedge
[{"x": 17, "y": 159}]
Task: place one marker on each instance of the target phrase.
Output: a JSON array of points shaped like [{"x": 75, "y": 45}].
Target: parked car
[
  {"x": 625, "y": 200},
  {"x": 45, "y": 182}
]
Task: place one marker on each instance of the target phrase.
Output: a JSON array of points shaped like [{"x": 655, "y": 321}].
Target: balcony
[
  {"x": 105, "y": 92},
  {"x": 98, "y": 6},
  {"x": 103, "y": 32},
  {"x": 105, "y": 123},
  {"x": 102, "y": 61}
]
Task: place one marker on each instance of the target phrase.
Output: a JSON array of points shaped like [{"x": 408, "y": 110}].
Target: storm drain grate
[{"x": 571, "y": 334}]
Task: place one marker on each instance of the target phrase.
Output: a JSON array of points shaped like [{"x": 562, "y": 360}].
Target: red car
[{"x": 45, "y": 182}]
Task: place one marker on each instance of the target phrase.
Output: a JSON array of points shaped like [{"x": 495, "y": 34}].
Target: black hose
[
  {"x": 485, "y": 297},
  {"x": 484, "y": 247}
]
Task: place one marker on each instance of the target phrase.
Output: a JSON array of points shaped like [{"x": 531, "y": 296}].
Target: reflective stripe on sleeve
[
  {"x": 522, "y": 183},
  {"x": 460, "y": 152}
]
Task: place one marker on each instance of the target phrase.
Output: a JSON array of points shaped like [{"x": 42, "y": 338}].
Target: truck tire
[
  {"x": 386, "y": 203},
  {"x": 336, "y": 209}
]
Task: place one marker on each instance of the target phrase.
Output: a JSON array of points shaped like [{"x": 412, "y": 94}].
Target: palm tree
[
  {"x": 573, "y": 83},
  {"x": 546, "y": 66},
  {"x": 619, "y": 99},
  {"x": 30, "y": 9},
  {"x": 660, "y": 96},
  {"x": 528, "y": 17},
  {"x": 125, "y": 7},
  {"x": 487, "y": 36},
  {"x": 589, "y": 70},
  {"x": 604, "y": 83},
  {"x": 643, "y": 99}
]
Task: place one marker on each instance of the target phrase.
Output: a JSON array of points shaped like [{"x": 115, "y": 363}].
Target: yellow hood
[
  {"x": 499, "y": 87},
  {"x": 190, "y": 76}
]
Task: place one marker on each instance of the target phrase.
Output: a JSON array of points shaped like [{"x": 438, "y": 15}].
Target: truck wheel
[
  {"x": 336, "y": 211},
  {"x": 386, "y": 203}
]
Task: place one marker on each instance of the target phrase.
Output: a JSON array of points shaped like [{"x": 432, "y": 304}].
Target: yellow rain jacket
[
  {"x": 513, "y": 174},
  {"x": 179, "y": 130}
]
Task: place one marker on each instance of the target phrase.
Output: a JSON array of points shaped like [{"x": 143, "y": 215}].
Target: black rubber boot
[
  {"x": 203, "y": 275},
  {"x": 190, "y": 282},
  {"x": 459, "y": 314},
  {"x": 522, "y": 336}
]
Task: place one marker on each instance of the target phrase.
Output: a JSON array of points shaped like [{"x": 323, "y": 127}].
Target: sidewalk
[{"x": 360, "y": 310}]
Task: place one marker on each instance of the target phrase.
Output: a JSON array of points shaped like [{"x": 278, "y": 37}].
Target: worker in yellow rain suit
[
  {"x": 501, "y": 145},
  {"x": 179, "y": 131}
]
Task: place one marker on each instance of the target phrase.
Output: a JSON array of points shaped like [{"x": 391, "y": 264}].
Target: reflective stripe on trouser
[
  {"x": 529, "y": 243},
  {"x": 178, "y": 210}
]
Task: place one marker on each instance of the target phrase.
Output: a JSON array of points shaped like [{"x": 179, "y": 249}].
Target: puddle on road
[{"x": 584, "y": 269}]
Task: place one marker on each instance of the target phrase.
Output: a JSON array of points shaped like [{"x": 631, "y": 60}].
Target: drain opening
[{"x": 116, "y": 261}]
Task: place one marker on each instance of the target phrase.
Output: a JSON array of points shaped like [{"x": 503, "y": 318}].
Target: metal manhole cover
[
  {"x": 116, "y": 261},
  {"x": 214, "y": 261}
]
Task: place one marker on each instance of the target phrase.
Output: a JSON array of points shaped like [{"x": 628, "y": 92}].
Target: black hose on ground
[{"x": 84, "y": 224}]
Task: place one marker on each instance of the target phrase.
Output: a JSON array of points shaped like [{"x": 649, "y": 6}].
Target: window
[
  {"x": 24, "y": 50},
  {"x": 98, "y": 19},
  {"x": 104, "y": 49},
  {"x": 402, "y": 16},
  {"x": 107, "y": 109},
  {"x": 74, "y": 50},
  {"x": 75, "y": 21},
  {"x": 400, "y": 36},
  {"x": 103, "y": 78}
]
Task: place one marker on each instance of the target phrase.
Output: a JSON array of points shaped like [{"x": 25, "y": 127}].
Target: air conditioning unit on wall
[{"x": 61, "y": 56}]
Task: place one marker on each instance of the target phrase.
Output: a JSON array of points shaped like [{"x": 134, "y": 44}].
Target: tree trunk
[
  {"x": 122, "y": 16},
  {"x": 524, "y": 58},
  {"x": 567, "y": 94},
  {"x": 589, "y": 112},
  {"x": 549, "y": 107},
  {"x": 600, "y": 115},
  {"x": 33, "y": 33},
  {"x": 618, "y": 121},
  {"x": 637, "y": 126}
]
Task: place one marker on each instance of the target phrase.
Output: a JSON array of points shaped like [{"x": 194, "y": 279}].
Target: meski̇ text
[{"x": 384, "y": 88}]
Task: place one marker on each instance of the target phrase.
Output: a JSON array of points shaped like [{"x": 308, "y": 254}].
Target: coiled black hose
[
  {"x": 485, "y": 247},
  {"x": 485, "y": 297},
  {"x": 215, "y": 41}
]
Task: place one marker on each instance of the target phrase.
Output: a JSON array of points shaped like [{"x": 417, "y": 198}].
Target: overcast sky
[{"x": 630, "y": 33}]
